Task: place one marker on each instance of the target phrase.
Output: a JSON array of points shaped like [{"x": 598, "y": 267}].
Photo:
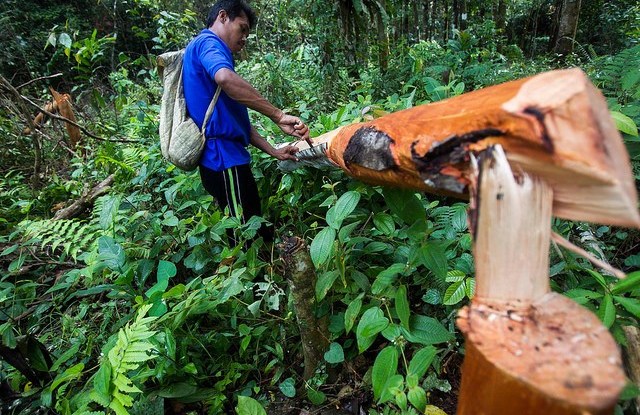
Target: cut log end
[{"x": 550, "y": 357}]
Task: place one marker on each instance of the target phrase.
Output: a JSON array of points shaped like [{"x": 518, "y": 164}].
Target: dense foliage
[{"x": 142, "y": 303}]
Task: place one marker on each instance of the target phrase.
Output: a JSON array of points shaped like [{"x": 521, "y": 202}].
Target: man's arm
[
  {"x": 240, "y": 90},
  {"x": 282, "y": 153}
]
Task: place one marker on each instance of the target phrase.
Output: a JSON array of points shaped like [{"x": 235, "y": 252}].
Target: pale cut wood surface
[{"x": 553, "y": 357}]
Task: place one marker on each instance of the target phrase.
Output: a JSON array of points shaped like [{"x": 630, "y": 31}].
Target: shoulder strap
[{"x": 209, "y": 112}]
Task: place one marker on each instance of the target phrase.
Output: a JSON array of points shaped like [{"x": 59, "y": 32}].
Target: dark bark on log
[
  {"x": 86, "y": 201},
  {"x": 314, "y": 332}
]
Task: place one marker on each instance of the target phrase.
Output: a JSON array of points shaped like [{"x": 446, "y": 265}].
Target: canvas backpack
[{"x": 181, "y": 141}]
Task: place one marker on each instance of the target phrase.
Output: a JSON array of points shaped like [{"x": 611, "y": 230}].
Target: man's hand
[
  {"x": 295, "y": 127},
  {"x": 285, "y": 153}
]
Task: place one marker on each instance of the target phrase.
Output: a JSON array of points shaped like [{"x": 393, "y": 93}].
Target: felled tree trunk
[
  {"x": 86, "y": 201},
  {"x": 314, "y": 332},
  {"x": 555, "y": 126},
  {"x": 528, "y": 351}
]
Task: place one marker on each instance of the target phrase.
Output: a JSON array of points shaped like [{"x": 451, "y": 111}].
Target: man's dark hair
[{"x": 234, "y": 8}]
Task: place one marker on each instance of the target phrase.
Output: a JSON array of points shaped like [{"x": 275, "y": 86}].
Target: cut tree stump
[
  {"x": 528, "y": 351},
  {"x": 547, "y": 147}
]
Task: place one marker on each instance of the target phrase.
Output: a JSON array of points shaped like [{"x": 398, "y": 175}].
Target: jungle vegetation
[{"x": 139, "y": 304}]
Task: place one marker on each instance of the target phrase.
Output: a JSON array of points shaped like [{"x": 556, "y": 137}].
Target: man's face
[{"x": 236, "y": 32}]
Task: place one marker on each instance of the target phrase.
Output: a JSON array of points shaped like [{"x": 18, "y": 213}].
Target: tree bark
[
  {"x": 314, "y": 332},
  {"x": 567, "y": 26},
  {"x": 500, "y": 15}
]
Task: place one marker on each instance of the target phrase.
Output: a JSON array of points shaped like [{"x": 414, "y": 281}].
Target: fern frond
[
  {"x": 73, "y": 235},
  {"x": 128, "y": 354}
]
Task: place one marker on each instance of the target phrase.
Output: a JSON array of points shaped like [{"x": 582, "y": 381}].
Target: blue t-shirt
[{"x": 228, "y": 130}]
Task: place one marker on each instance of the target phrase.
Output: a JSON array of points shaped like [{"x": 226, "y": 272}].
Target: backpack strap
[{"x": 209, "y": 112}]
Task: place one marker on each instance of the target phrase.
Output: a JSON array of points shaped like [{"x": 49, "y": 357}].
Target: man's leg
[{"x": 236, "y": 188}]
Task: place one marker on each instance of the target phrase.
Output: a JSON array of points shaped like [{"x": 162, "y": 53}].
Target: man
[{"x": 208, "y": 63}]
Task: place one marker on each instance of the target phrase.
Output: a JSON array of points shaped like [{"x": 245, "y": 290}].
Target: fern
[
  {"x": 73, "y": 236},
  {"x": 112, "y": 386}
]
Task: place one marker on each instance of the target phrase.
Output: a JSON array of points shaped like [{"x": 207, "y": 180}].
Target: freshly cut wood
[
  {"x": 555, "y": 125},
  {"x": 552, "y": 357},
  {"x": 528, "y": 351}
]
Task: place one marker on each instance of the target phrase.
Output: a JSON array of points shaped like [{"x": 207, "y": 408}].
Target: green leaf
[
  {"x": 177, "y": 390},
  {"x": 352, "y": 312},
  {"x": 321, "y": 246},
  {"x": 624, "y": 123},
  {"x": 325, "y": 282},
  {"x": 607, "y": 311},
  {"x": 402, "y": 306},
  {"x": 371, "y": 323},
  {"x": 404, "y": 204},
  {"x": 288, "y": 387},
  {"x": 385, "y": 366},
  {"x": 109, "y": 211},
  {"x": 343, "y": 208},
  {"x": 68, "y": 354},
  {"x": 582, "y": 296},
  {"x": 102, "y": 379},
  {"x": 427, "y": 330},
  {"x": 418, "y": 398},
  {"x": 632, "y": 305},
  {"x": 316, "y": 397},
  {"x": 394, "y": 384},
  {"x": 421, "y": 360},
  {"x": 384, "y": 223},
  {"x": 432, "y": 255},
  {"x": 335, "y": 354},
  {"x": 387, "y": 277},
  {"x": 455, "y": 293},
  {"x": 166, "y": 270},
  {"x": 65, "y": 40},
  {"x": 630, "y": 283},
  {"x": 432, "y": 296},
  {"x": 111, "y": 253},
  {"x": 249, "y": 406}
]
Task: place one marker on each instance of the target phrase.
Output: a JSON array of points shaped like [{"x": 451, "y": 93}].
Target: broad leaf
[
  {"x": 402, "y": 306},
  {"x": 335, "y": 354},
  {"x": 325, "y": 282},
  {"x": 418, "y": 398},
  {"x": 343, "y": 208},
  {"x": 288, "y": 387},
  {"x": 249, "y": 406},
  {"x": 455, "y": 293},
  {"x": 371, "y": 323},
  {"x": 624, "y": 123},
  {"x": 321, "y": 246},
  {"x": 433, "y": 256},
  {"x": 385, "y": 366},
  {"x": 384, "y": 223},
  {"x": 427, "y": 330},
  {"x": 421, "y": 360},
  {"x": 607, "y": 311},
  {"x": 352, "y": 312}
]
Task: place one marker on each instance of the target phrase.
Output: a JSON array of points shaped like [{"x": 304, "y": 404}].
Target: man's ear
[{"x": 222, "y": 16}]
